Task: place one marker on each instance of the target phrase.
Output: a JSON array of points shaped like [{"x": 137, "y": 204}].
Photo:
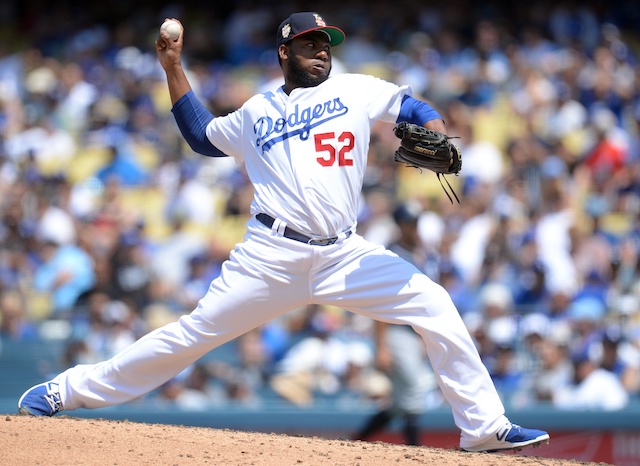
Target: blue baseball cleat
[
  {"x": 41, "y": 400},
  {"x": 511, "y": 437}
]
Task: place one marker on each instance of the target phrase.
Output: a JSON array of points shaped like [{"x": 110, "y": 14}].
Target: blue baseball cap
[
  {"x": 407, "y": 213},
  {"x": 586, "y": 308},
  {"x": 307, "y": 21}
]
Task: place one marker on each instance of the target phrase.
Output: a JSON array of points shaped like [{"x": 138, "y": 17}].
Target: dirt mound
[{"x": 64, "y": 440}]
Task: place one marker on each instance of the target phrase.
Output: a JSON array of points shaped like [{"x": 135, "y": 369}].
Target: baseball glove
[{"x": 425, "y": 148}]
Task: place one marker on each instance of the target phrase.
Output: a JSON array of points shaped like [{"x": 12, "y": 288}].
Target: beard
[{"x": 302, "y": 78}]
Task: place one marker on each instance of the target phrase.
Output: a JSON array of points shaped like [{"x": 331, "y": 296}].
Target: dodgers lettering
[{"x": 299, "y": 122}]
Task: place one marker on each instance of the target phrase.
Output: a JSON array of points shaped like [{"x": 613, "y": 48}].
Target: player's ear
[{"x": 283, "y": 52}]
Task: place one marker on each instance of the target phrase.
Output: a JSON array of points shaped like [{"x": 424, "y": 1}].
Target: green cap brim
[{"x": 336, "y": 36}]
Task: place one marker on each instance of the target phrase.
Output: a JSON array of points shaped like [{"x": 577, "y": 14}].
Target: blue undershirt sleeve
[
  {"x": 192, "y": 118},
  {"x": 416, "y": 111}
]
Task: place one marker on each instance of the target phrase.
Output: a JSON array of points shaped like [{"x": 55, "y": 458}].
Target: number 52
[{"x": 325, "y": 143}]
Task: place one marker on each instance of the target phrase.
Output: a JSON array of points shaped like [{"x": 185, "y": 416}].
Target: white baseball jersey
[{"x": 306, "y": 152}]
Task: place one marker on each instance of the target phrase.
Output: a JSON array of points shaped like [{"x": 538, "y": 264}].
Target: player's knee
[{"x": 436, "y": 299}]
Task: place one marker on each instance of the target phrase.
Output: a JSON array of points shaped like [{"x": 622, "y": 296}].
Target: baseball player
[{"x": 304, "y": 148}]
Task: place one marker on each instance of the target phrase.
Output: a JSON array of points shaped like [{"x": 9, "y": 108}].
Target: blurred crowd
[{"x": 112, "y": 227}]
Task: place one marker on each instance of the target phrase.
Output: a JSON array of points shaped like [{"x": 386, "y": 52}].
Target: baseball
[{"x": 173, "y": 28}]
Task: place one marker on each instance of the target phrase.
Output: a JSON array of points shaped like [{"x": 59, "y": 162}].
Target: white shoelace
[{"x": 53, "y": 398}]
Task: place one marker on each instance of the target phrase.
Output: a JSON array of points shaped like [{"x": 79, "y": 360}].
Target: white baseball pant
[{"x": 268, "y": 275}]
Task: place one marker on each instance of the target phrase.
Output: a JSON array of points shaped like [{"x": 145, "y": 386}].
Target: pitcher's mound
[{"x": 64, "y": 440}]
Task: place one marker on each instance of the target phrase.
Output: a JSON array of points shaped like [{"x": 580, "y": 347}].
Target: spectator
[
  {"x": 53, "y": 222},
  {"x": 619, "y": 358},
  {"x": 201, "y": 270},
  {"x": 14, "y": 322},
  {"x": 626, "y": 266},
  {"x": 121, "y": 166},
  {"x": 77, "y": 96},
  {"x": 608, "y": 156},
  {"x": 593, "y": 388},
  {"x": 555, "y": 371},
  {"x": 192, "y": 200},
  {"x": 13, "y": 264},
  {"x": 473, "y": 235},
  {"x": 171, "y": 255},
  {"x": 190, "y": 390},
  {"x": 101, "y": 328},
  {"x": 533, "y": 330},
  {"x": 64, "y": 272},
  {"x": 530, "y": 292},
  {"x": 585, "y": 316},
  {"x": 558, "y": 301},
  {"x": 506, "y": 374},
  {"x": 553, "y": 232},
  {"x": 130, "y": 271},
  {"x": 317, "y": 363}
]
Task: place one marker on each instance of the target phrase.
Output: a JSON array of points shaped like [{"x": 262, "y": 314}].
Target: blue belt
[{"x": 268, "y": 221}]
